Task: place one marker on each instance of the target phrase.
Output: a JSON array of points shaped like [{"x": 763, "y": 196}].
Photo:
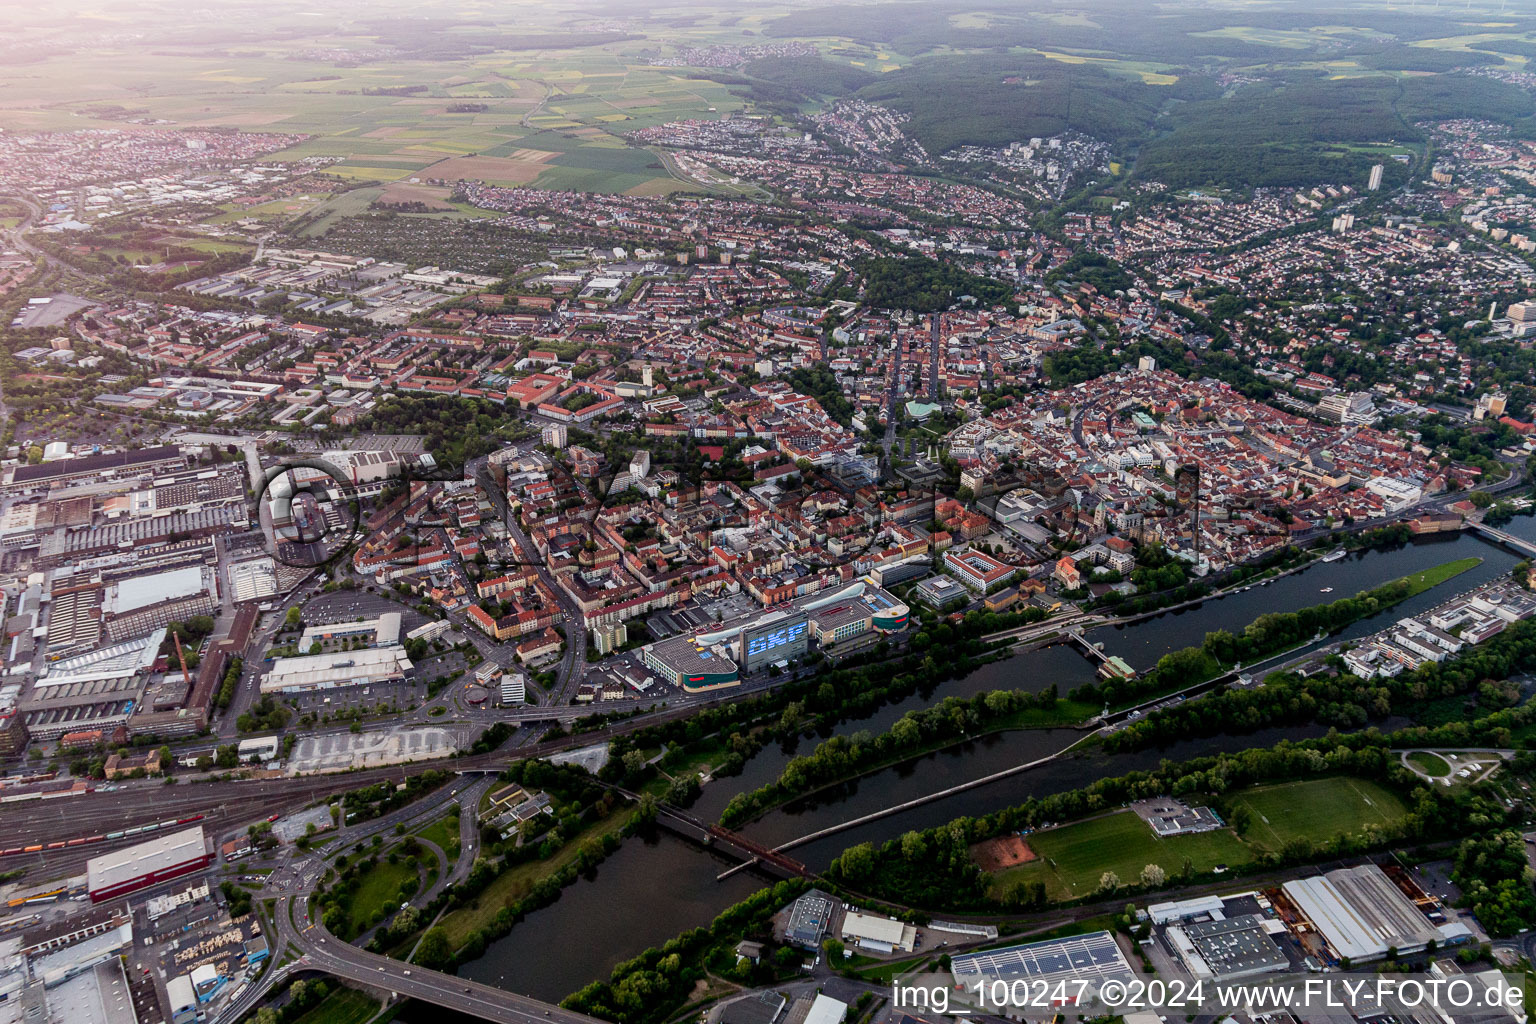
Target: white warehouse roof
[
  {"x": 142, "y": 591},
  {"x": 867, "y": 926},
  {"x": 343, "y": 668},
  {"x": 157, "y": 854},
  {"x": 1361, "y": 912},
  {"x": 826, "y": 1010}
]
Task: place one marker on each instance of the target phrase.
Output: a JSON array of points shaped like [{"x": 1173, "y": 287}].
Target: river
[{"x": 649, "y": 891}]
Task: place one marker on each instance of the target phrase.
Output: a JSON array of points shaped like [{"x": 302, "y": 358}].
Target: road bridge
[{"x": 1520, "y": 544}]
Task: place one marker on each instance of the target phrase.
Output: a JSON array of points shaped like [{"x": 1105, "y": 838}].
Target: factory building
[
  {"x": 142, "y": 462},
  {"x": 95, "y": 690},
  {"x": 141, "y": 604},
  {"x": 342, "y": 668},
  {"x": 809, "y": 918},
  {"x": 1229, "y": 948},
  {"x": 1095, "y": 957},
  {"x": 1361, "y": 913},
  {"x": 183, "y": 999},
  {"x": 136, "y": 867},
  {"x": 878, "y": 934}
]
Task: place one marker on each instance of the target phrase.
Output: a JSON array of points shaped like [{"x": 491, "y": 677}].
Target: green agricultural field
[
  {"x": 393, "y": 118},
  {"x": 1316, "y": 810},
  {"x": 344, "y": 204},
  {"x": 1073, "y": 858}
]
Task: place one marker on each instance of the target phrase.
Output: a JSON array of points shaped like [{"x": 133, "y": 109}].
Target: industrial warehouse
[
  {"x": 840, "y": 622},
  {"x": 1095, "y": 957},
  {"x": 1362, "y": 914},
  {"x": 137, "y": 867},
  {"x": 344, "y": 668},
  {"x": 1349, "y": 915}
]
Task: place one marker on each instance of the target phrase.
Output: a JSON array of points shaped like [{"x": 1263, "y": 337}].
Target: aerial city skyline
[{"x": 864, "y": 512}]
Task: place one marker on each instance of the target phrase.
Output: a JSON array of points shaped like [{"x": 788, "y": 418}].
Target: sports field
[
  {"x": 1071, "y": 860},
  {"x": 1317, "y": 810},
  {"x": 1074, "y": 857}
]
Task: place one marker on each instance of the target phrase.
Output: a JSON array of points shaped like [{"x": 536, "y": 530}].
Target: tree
[
  {"x": 857, "y": 861},
  {"x": 1109, "y": 882},
  {"x": 434, "y": 950},
  {"x": 294, "y": 619},
  {"x": 1153, "y": 876}
]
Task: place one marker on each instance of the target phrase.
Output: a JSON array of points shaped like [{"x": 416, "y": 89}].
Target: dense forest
[
  {"x": 987, "y": 100},
  {"x": 1024, "y": 77},
  {"x": 796, "y": 79},
  {"x": 1138, "y": 30},
  {"x": 1302, "y": 130}
]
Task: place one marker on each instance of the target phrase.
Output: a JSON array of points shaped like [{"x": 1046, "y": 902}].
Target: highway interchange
[{"x": 298, "y": 927}]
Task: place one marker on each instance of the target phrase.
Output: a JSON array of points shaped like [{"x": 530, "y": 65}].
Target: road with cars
[{"x": 296, "y": 925}]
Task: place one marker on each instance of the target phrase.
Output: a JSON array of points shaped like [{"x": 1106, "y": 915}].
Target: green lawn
[
  {"x": 1419, "y": 582},
  {"x": 1430, "y": 763},
  {"x": 1074, "y": 857},
  {"x": 377, "y": 889},
  {"x": 1317, "y": 809},
  {"x": 880, "y": 972},
  {"x": 343, "y": 1006},
  {"x": 444, "y": 831},
  {"x": 701, "y": 760}
]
